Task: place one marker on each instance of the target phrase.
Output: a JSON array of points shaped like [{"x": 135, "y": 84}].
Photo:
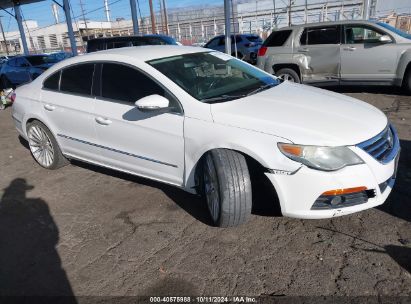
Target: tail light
[
  {"x": 13, "y": 97},
  {"x": 262, "y": 51}
]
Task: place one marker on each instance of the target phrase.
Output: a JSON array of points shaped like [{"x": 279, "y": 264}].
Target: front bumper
[{"x": 299, "y": 191}]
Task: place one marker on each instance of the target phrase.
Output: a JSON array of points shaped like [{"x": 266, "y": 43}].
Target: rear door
[
  {"x": 321, "y": 48},
  {"x": 364, "y": 57},
  {"x": 68, "y": 104}
]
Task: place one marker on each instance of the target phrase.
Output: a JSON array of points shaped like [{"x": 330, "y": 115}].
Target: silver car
[{"x": 338, "y": 53}]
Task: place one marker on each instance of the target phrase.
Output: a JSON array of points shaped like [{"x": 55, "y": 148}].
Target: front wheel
[
  {"x": 44, "y": 147},
  {"x": 227, "y": 187}
]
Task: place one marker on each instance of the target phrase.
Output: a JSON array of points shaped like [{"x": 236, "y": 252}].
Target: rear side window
[
  {"x": 52, "y": 82},
  {"x": 120, "y": 82},
  {"x": 277, "y": 38},
  {"x": 77, "y": 79},
  {"x": 320, "y": 35}
]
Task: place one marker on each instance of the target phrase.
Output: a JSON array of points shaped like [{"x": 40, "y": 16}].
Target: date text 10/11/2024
[{"x": 203, "y": 299}]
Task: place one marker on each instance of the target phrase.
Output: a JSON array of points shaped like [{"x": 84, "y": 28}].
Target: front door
[
  {"x": 364, "y": 57},
  {"x": 320, "y": 46},
  {"x": 149, "y": 144}
]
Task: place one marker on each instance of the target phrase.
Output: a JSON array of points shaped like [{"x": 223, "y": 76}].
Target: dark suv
[
  {"x": 247, "y": 46},
  {"x": 100, "y": 44}
]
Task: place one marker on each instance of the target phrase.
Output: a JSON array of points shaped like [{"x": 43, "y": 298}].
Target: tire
[
  {"x": 227, "y": 187},
  {"x": 44, "y": 147},
  {"x": 288, "y": 74},
  {"x": 2, "y": 106},
  {"x": 407, "y": 82}
]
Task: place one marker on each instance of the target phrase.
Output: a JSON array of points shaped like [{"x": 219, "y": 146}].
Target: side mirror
[
  {"x": 385, "y": 39},
  {"x": 151, "y": 103}
]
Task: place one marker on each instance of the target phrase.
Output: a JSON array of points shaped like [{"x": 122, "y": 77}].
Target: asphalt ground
[{"x": 84, "y": 230}]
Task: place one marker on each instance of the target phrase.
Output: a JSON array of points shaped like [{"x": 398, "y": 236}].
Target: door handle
[
  {"x": 305, "y": 50},
  {"x": 103, "y": 121},
  {"x": 49, "y": 107},
  {"x": 350, "y": 48}
]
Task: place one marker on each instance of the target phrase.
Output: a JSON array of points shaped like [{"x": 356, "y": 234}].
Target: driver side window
[
  {"x": 357, "y": 34},
  {"x": 123, "y": 83}
]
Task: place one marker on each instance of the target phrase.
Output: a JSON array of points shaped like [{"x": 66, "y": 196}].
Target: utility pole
[
  {"x": 161, "y": 16},
  {"x": 289, "y": 12},
  {"x": 4, "y": 37},
  {"x": 305, "y": 12},
  {"x": 227, "y": 26},
  {"x": 84, "y": 18},
  {"x": 366, "y": 9},
  {"x": 107, "y": 10},
  {"x": 274, "y": 16},
  {"x": 165, "y": 16},
  {"x": 153, "y": 19}
]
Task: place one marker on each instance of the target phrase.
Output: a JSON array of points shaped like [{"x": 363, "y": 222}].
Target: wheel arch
[
  {"x": 32, "y": 118},
  {"x": 404, "y": 65},
  {"x": 193, "y": 168},
  {"x": 406, "y": 71},
  {"x": 256, "y": 169}
]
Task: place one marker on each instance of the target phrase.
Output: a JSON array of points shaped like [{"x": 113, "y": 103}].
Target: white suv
[{"x": 199, "y": 119}]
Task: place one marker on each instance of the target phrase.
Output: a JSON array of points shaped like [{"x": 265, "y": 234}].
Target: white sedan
[{"x": 202, "y": 120}]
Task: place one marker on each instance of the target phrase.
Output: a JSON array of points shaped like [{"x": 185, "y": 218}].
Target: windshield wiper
[
  {"x": 262, "y": 88},
  {"x": 221, "y": 98}
]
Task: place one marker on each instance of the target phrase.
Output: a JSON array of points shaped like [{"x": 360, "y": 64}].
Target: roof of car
[
  {"x": 133, "y": 37},
  {"x": 143, "y": 53},
  {"x": 297, "y": 26}
]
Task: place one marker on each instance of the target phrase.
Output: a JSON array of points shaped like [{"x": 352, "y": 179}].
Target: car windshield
[
  {"x": 395, "y": 30},
  {"x": 37, "y": 60},
  {"x": 213, "y": 76}
]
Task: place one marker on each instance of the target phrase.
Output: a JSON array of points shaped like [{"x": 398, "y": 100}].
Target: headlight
[{"x": 321, "y": 158}]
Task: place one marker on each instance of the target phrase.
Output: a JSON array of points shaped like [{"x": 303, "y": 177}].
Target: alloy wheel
[
  {"x": 41, "y": 146},
  {"x": 211, "y": 188},
  {"x": 286, "y": 77}
]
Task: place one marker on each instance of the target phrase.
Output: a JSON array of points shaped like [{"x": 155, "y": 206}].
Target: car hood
[{"x": 303, "y": 115}]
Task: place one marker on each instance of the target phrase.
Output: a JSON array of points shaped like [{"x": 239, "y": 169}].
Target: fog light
[{"x": 336, "y": 200}]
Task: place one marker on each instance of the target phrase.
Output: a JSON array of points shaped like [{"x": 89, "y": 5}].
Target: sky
[{"x": 94, "y": 9}]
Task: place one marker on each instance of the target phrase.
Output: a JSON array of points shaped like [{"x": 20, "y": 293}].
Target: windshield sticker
[{"x": 221, "y": 56}]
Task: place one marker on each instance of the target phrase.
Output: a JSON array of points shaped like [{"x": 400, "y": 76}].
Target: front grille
[{"x": 383, "y": 147}]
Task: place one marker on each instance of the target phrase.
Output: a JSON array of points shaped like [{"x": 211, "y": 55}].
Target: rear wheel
[
  {"x": 407, "y": 81},
  {"x": 44, "y": 147},
  {"x": 287, "y": 74},
  {"x": 227, "y": 187}
]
